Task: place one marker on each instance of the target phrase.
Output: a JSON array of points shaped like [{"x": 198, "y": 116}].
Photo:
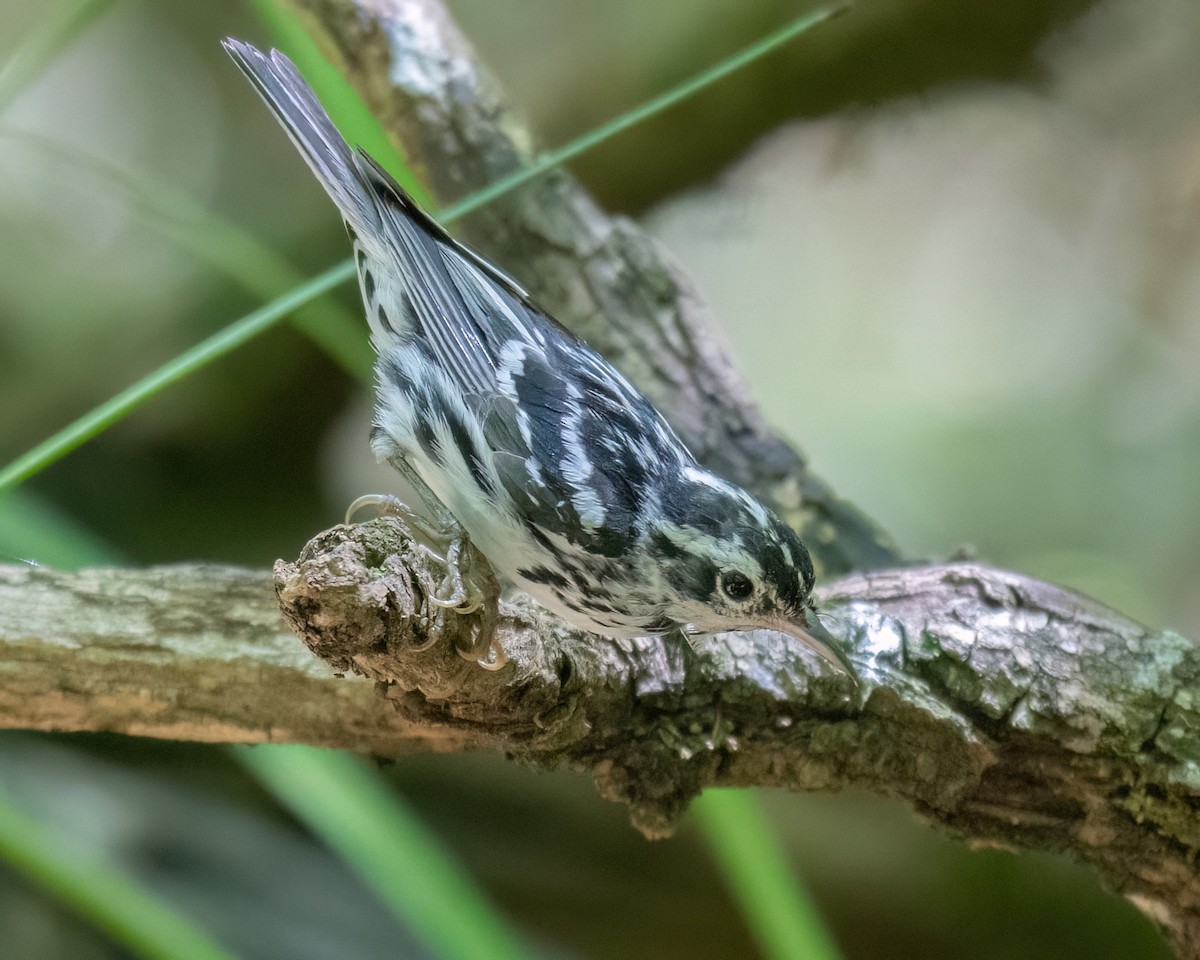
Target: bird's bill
[{"x": 820, "y": 641}]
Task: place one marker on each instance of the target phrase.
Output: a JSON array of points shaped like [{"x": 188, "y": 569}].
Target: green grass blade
[
  {"x": 64, "y": 441},
  {"x": 41, "y": 47},
  {"x": 226, "y": 246},
  {"x": 349, "y": 806},
  {"x": 777, "y": 910},
  {"x": 553, "y": 158},
  {"x": 350, "y": 115},
  {"x": 36, "y": 531},
  {"x": 112, "y": 901},
  {"x": 100, "y": 418}
]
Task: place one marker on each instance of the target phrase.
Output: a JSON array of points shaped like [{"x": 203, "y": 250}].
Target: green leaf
[
  {"x": 35, "y": 531},
  {"x": 350, "y": 115},
  {"x": 226, "y": 246}
]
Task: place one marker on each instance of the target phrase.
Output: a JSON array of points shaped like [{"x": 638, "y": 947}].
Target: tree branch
[
  {"x": 186, "y": 652},
  {"x": 1004, "y": 709}
]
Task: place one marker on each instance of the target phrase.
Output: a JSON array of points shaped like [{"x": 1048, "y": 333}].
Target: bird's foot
[{"x": 469, "y": 584}]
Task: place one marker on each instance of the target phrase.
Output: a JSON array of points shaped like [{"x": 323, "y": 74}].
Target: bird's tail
[{"x": 297, "y": 109}]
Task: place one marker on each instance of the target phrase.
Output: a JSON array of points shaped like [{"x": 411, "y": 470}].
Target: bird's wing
[
  {"x": 572, "y": 439},
  {"x": 582, "y": 444}
]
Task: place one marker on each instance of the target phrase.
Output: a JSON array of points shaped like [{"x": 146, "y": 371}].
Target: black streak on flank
[
  {"x": 368, "y": 284},
  {"x": 470, "y": 456},
  {"x": 578, "y": 576},
  {"x": 598, "y": 574},
  {"x": 409, "y": 313},
  {"x": 543, "y": 541},
  {"x": 543, "y": 575},
  {"x": 568, "y": 601},
  {"x": 429, "y": 441},
  {"x": 383, "y": 317},
  {"x": 396, "y": 374}
]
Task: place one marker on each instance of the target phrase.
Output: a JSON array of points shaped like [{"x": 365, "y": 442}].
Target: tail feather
[
  {"x": 415, "y": 278},
  {"x": 297, "y": 109}
]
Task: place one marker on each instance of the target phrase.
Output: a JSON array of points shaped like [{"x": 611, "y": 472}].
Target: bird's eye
[{"x": 736, "y": 585}]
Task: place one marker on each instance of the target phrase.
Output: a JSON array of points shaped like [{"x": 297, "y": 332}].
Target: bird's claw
[
  {"x": 385, "y": 503},
  {"x": 388, "y": 505},
  {"x": 456, "y": 592}
]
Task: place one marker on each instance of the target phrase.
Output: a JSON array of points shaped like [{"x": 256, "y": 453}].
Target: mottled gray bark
[
  {"x": 186, "y": 652},
  {"x": 1004, "y": 709}
]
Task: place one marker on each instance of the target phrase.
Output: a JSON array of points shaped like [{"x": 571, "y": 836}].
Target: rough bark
[{"x": 1004, "y": 709}]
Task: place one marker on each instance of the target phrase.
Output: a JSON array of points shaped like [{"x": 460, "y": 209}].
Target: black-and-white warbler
[{"x": 560, "y": 472}]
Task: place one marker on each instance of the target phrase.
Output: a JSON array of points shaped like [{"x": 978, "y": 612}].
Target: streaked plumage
[{"x": 561, "y": 472}]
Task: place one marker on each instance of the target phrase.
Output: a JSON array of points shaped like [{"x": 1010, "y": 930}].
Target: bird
[{"x": 526, "y": 444}]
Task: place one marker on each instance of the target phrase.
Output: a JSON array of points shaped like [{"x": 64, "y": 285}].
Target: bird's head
[{"x": 728, "y": 563}]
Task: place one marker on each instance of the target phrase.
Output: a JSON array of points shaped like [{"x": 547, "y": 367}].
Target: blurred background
[{"x": 955, "y": 247}]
